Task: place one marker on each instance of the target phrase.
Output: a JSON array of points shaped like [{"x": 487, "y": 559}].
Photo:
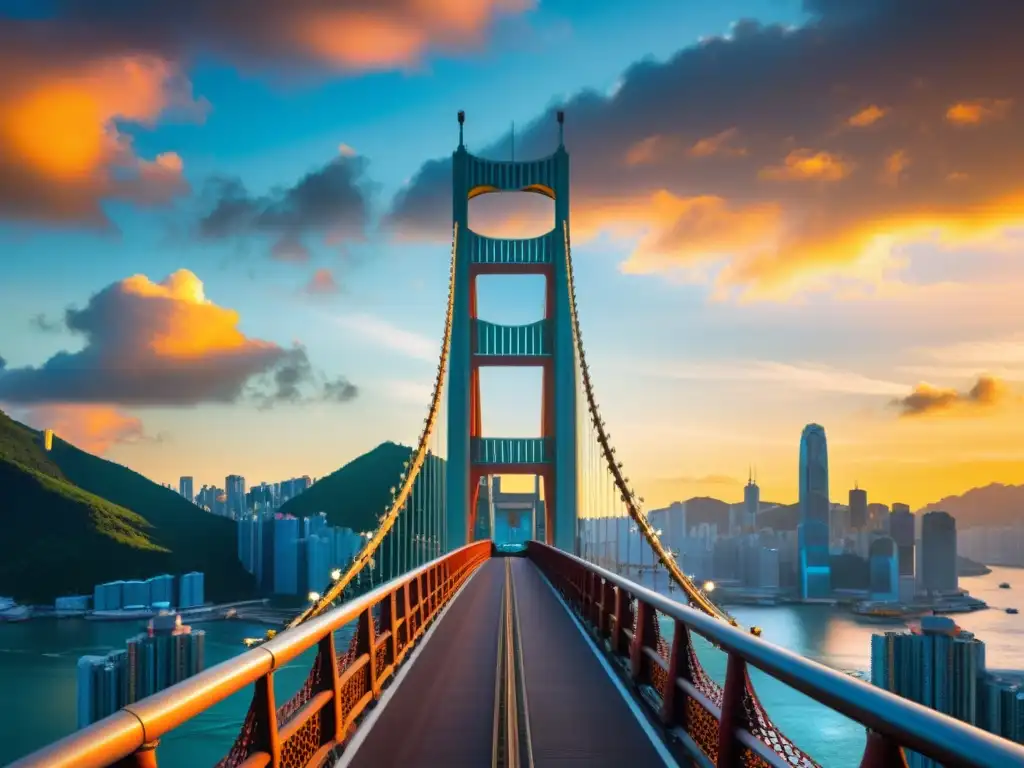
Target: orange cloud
[
  {"x": 849, "y": 226},
  {"x": 895, "y": 165},
  {"x": 684, "y": 231},
  {"x": 61, "y": 152},
  {"x": 927, "y": 399},
  {"x": 646, "y": 150},
  {"x": 68, "y": 80},
  {"x": 162, "y": 343},
  {"x": 978, "y": 111},
  {"x": 93, "y": 428},
  {"x": 805, "y": 165},
  {"x": 382, "y": 35},
  {"x": 660, "y": 148},
  {"x": 867, "y": 116},
  {"x": 717, "y": 145}
]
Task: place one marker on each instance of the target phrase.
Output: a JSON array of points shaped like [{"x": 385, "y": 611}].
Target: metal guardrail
[
  {"x": 320, "y": 717},
  {"x": 727, "y": 725}
]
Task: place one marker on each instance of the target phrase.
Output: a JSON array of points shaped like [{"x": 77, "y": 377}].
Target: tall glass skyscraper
[{"x": 813, "y": 533}]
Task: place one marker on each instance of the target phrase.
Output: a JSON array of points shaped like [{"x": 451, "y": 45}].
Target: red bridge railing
[
  {"x": 726, "y": 725},
  {"x": 319, "y": 718}
]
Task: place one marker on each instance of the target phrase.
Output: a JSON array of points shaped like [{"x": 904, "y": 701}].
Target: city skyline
[{"x": 716, "y": 353}]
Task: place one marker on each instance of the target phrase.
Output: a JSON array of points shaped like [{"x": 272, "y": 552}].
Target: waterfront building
[
  {"x": 285, "y": 555},
  {"x": 167, "y": 653},
  {"x": 1003, "y": 708},
  {"x": 938, "y": 554},
  {"x": 250, "y": 542},
  {"x": 883, "y": 564},
  {"x": 102, "y": 683},
  {"x": 161, "y": 589},
  {"x": 108, "y": 597},
  {"x": 813, "y": 530},
  {"x": 939, "y": 666},
  {"x": 190, "y": 590},
  {"x": 135, "y": 594},
  {"x": 901, "y": 528},
  {"x": 312, "y": 526}
]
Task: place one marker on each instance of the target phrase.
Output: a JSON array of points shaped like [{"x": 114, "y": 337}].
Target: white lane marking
[
  {"x": 367, "y": 725},
  {"x": 656, "y": 741}
]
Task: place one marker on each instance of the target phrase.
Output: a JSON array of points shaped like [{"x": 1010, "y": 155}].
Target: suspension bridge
[{"x": 471, "y": 654}]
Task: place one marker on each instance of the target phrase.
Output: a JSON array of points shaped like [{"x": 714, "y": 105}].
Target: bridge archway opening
[
  {"x": 511, "y": 299},
  {"x": 510, "y": 401},
  {"x": 512, "y": 214}
]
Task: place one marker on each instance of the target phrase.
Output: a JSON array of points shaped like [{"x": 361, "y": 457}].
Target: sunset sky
[{"x": 224, "y": 226}]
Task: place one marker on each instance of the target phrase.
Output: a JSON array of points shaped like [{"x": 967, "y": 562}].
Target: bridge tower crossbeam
[{"x": 547, "y": 344}]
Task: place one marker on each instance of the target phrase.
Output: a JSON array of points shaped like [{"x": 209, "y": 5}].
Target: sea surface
[{"x": 38, "y": 666}]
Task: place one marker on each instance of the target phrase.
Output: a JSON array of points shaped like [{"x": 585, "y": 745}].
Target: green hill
[
  {"x": 72, "y": 520},
  {"x": 358, "y": 493}
]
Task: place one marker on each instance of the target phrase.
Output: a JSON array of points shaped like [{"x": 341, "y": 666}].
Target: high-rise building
[
  {"x": 671, "y": 521},
  {"x": 165, "y": 654},
  {"x": 250, "y": 543},
  {"x": 813, "y": 531},
  {"x": 235, "y": 489},
  {"x": 939, "y": 666},
  {"x": 751, "y": 502},
  {"x": 190, "y": 590},
  {"x": 901, "y": 528},
  {"x": 883, "y": 568},
  {"x": 285, "y": 555},
  {"x": 161, "y": 591},
  {"x": 100, "y": 683},
  {"x": 136, "y": 594},
  {"x": 938, "y": 553},
  {"x": 1002, "y": 708},
  {"x": 858, "y": 508},
  {"x": 185, "y": 487}
]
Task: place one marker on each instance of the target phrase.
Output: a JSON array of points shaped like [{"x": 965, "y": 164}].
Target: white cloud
[
  {"x": 406, "y": 391},
  {"x": 806, "y": 376},
  {"x": 943, "y": 373},
  {"x": 377, "y": 331},
  {"x": 1005, "y": 351}
]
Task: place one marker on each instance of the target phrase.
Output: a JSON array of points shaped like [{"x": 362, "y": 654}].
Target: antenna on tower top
[
  {"x": 462, "y": 119},
  {"x": 560, "y": 116}
]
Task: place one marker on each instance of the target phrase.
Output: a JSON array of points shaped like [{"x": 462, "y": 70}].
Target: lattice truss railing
[
  {"x": 608, "y": 500},
  {"x": 659, "y": 654}
]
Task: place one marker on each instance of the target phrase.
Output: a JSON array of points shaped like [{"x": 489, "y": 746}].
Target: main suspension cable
[{"x": 697, "y": 596}]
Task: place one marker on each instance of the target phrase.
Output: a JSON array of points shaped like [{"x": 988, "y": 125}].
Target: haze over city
[{"x": 225, "y": 243}]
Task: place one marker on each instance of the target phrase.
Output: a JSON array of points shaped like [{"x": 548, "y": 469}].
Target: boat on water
[
  {"x": 11, "y": 611},
  {"x": 885, "y": 611},
  {"x": 1004, "y": 585},
  {"x": 1012, "y": 610}
]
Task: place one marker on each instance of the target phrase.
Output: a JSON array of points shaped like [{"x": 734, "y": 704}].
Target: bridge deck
[{"x": 442, "y": 711}]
